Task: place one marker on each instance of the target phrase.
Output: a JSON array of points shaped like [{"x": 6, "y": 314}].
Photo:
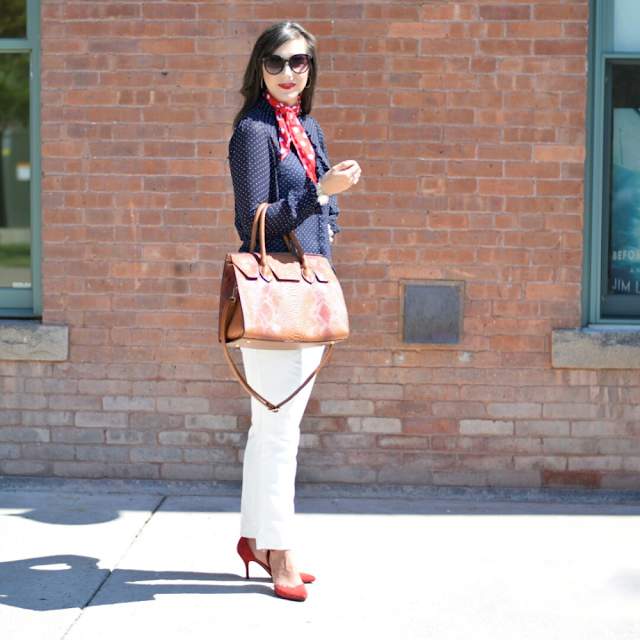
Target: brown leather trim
[{"x": 227, "y": 314}]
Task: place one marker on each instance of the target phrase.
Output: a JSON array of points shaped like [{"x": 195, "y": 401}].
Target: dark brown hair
[{"x": 268, "y": 41}]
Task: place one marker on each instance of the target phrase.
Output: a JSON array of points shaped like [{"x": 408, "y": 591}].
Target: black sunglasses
[{"x": 298, "y": 63}]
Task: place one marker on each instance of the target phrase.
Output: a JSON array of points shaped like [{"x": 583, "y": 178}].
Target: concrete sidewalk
[{"x": 93, "y": 564}]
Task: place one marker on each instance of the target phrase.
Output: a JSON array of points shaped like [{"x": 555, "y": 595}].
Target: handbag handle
[
  {"x": 290, "y": 237},
  {"x": 227, "y": 314}
]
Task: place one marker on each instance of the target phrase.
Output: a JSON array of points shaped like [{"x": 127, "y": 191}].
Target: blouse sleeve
[
  {"x": 250, "y": 165},
  {"x": 333, "y": 200}
]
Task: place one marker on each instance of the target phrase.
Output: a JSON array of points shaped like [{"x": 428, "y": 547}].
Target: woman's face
[{"x": 287, "y": 85}]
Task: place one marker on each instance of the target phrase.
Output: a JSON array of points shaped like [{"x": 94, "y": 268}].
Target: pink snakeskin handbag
[{"x": 279, "y": 301}]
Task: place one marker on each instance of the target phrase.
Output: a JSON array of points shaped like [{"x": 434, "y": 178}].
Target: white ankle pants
[{"x": 269, "y": 466}]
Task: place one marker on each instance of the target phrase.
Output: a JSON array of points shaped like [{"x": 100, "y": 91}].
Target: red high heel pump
[
  {"x": 244, "y": 551},
  {"x": 298, "y": 593}
]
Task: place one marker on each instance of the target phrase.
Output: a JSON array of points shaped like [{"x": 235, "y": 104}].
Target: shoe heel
[{"x": 245, "y": 554}]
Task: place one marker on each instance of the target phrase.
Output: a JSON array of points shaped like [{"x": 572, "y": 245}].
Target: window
[{"x": 20, "y": 245}]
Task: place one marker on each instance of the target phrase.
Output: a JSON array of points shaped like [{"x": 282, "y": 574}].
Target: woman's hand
[{"x": 341, "y": 177}]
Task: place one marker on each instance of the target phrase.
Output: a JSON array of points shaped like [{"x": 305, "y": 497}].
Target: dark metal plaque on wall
[{"x": 431, "y": 311}]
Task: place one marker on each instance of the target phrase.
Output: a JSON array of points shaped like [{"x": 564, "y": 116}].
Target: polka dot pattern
[
  {"x": 260, "y": 175},
  {"x": 290, "y": 131}
]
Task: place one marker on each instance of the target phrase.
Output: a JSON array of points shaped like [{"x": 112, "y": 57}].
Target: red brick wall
[{"x": 468, "y": 118}]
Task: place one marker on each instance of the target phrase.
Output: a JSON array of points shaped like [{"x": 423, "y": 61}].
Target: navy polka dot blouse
[{"x": 259, "y": 175}]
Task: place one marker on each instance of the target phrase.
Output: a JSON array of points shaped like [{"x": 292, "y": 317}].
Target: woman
[{"x": 278, "y": 154}]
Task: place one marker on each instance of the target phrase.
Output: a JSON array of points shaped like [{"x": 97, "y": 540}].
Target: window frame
[
  {"x": 27, "y": 303},
  {"x": 595, "y": 260}
]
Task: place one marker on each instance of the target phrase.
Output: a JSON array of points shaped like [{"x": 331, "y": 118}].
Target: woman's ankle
[{"x": 283, "y": 568}]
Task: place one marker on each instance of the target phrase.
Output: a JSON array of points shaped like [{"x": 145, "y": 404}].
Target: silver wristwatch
[{"x": 323, "y": 198}]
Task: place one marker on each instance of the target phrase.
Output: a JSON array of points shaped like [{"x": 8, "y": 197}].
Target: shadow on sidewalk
[{"x": 68, "y": 581}]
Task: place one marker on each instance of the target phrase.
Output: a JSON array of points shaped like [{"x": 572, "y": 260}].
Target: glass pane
[
  {"x": 626, "y": 25},
  {"x": 15, "y": 172},
  {"x": 13, "y": 18},
  {"x": 624, "y": 222}
]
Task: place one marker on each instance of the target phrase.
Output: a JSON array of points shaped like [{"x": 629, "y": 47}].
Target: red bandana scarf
[{"x": 290, "y": 129}]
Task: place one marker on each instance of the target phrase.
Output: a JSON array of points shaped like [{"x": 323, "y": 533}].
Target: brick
[
  {"x": 74, "y": 402},
  {"x": 227, "y": 472},
  {"x": 460, "y": 478},
  {"x": 23, "y": 401},
  {"x": 543, "y": 427},
  {"x": 619, "y": 481},
  {"x": 116, "y": 403},
  {"x": 132, "y": 471},
  {"x": 561, "y": 12},
  {"x": 555, "y": 153},
  {"x": 156, "y": 454},
  {"x": 488, "y": 427},
  {"x": 418, "y": 30},
  {"x": 404, "y": 442},
  {"x": 502, "y": 12},
  {"x": 80, "y": 469},
  {"x": 210, "y": 455},
  {"x": 48, "y": 451},
  {"x": 182, "y": 405},
  {"x": 631, "y": 463},
  {"x": 11, "y": 417},
  {"x": 24, "y": 434},
  {"x": 102, "y": 453},
  {"x": 603, "y": 428},
  {"x": 47, "y": 418},
  {"x": 485, "y": 462},
  {"x": 309, "y": 441},
  {"x": 576, "y": 479},
  {"x": 410, "y": 474},
  {"x": 570, "y": 445},
  {"x": 184, "y": 438},
  {"x": 100, "y": 419},
  {"x": 321, "y": 458},
  {"x": 417, "y": 426},
  {"x": 454, "y": 443},
  {"x": 540, "y": 463},
  {"x": 347, "y": 441},
  {"x": 356, "y": 475},
  {"x": 172, "y": 471},
  {"x": 347, "y": 407},
  {"x": 10, "y": 451},
  {"x": 596, "y": 463},
  {"x": 222, "y": 423},
  {"x": 514, "y": 410},
  {"x": 622, "y": 446},
  {"x": 458, "y": 409},
  {"x": 130, "y": 436},
  {"x": 568, "y": 410},
  {"x": 514, "y": 479},
  {"x": 72, "y": 435},
  {"x": 327, "y": 424},
  {"x": 26, "y": 468},
  {"x": 155, "y": 421},
  {"x": 375, "y": 425}
]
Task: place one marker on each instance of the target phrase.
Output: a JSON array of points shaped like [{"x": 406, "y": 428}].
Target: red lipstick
[{"x": 287, "y": 85}]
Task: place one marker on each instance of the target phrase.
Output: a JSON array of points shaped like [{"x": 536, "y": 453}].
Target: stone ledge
[
  {"x": 607, "y": 347},
  {"x": 32, "y": 340},
  {"x": 331, "y": 490}
]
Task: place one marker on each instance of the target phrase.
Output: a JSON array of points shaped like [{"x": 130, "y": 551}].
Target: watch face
[{"x": 323, "y": 199}]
